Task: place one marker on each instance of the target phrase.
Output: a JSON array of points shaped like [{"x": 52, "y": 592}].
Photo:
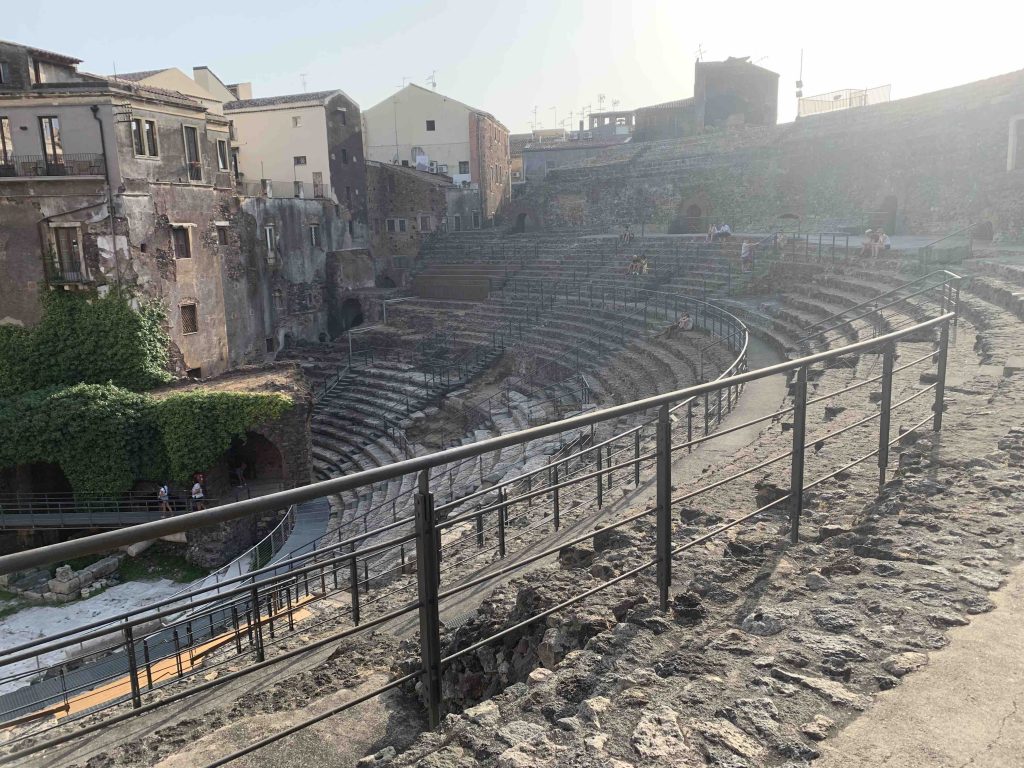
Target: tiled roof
[
  {"x": 44, "y": 54},
  {"x": 135, "y": 77},
  {"x": 270, "y": 101}
]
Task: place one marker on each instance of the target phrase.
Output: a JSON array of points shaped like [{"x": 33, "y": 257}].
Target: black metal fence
[
  {"x": 253, "y": 616},
  {"x": 79, "y": 164}
]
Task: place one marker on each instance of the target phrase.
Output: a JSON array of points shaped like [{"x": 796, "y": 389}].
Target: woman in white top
[{"x": 197, "y": 495}]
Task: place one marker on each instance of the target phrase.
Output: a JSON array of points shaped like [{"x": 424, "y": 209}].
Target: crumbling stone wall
[{"x": 940, "y": 160}]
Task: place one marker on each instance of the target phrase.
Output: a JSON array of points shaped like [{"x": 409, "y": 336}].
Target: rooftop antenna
[
  {"x": 600, "y": 102},
  {"x": 404, "y": 81},
  {"x": 535, "y": 118},
  {"x": 302, "y": 78},
  {"x": 555, "y": 121},
  {"x": 432, "y": 79},
  {"x": 700, "y": 52},
  {"x": 615, "y": 104}
]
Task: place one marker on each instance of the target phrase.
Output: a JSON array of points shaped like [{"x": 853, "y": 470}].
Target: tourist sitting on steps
[
  {"x": 867, "y": 245},
  {"x": 883, "y": 240},
  {"x": 724, "y": 231},
  {"x": 634, "y": 265},
  {"x": 684, "y": 323}
]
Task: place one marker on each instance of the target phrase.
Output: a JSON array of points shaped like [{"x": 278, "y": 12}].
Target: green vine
[
  {"x": 106, "y": 438},
  {"x": 86, "y": 339}
]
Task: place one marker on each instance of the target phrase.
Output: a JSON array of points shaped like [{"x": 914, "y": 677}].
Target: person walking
[
  {"x": 163, "y": 495},
  {"x": 198, "y": 495}
]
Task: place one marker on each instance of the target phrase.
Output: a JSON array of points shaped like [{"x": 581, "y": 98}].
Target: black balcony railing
[
  {"x": 59, "y": 276},
  {"x": 271, "y": 188},
  {"x": 195, "y": 171},
  {"x": 26, "y": 166}
]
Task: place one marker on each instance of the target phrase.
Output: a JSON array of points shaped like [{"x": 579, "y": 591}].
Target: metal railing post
[
  {"x": 428, "y": 575},
  {"x": 353, "y": 582},
  {"x": 885, "y": 415},
  {"x": 796, "y": 478},
  {"x": 133, "y": 670},
  {"x": 664, "y": 500},
  {"x": 502, "y": 512},
  {"x": 600, "y": 485},
  {"x": 940, "y": 382},
  {"x": 636, "y": 456},
  {"x": 555, "y": 509},
  {"x": 257, "y": 624}
]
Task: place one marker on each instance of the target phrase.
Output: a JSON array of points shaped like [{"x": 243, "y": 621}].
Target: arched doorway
[
  {"x": 688, "y": 221},
  {"x": 39, "y": 477},
  {"x": 251, "y": 466},
  {"x": 520, "y": 223},
  {"x": 347, "y": 315}
]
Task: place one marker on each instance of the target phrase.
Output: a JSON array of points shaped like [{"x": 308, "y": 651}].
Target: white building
[{"x": 423, "y": 129}]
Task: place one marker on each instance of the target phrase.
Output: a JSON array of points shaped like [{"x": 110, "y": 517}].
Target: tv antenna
[
  {"x": 600, "y": 102},
  {"x": 800, "y": 82},
  {"x": 700, "y": 52},
  {"x": 432, "y": 79},
  {"x": 302, "y": 79},
  {"x": 534, "y": 118},
  {"x": 404, "y": 81}
]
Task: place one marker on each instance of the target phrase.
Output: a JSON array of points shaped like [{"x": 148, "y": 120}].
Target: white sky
[{"x": 510, "y": 57}]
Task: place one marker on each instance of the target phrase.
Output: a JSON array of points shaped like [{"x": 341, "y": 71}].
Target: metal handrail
[
  {"x": 874, "y": 300},
  {"x": 427, "y": 527},
  {"x": 102, "y": 542}
]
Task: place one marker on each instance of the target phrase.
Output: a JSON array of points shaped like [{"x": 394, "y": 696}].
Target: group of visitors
[
  {"x": 639, "y": 265},
  {"x": 874, "y": 242},
  {"x": 197, "y": 494},
  {"x": 718, "y": 233}
]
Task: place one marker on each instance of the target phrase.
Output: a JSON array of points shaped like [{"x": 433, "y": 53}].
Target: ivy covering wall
[
  {"x": 86, "y": 340},
  {"x": 70, "y": 394}
]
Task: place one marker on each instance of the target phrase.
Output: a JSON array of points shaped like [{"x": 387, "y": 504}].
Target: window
[
  {"x": 270, "y": 344},
  {"x": 299, "y": 160},
  {"x": 144, "y": 138},
  {"x": 296, "y": 122},
  {"x": 344, "y": 156},
  {"x": 278, "y": 300},
  {"x": 298, "y": 189},
  {"x": 5, "y": 73},
  {"x": 401, "y": 225},
  {"x": 343, "y": 114},
  {"x": 405, "y": 163},
  {"x": 318, "y": 184},
  {"x": 476, "y": 219},
  {"x": 463, "y": 166},
  {"x": 67, "y": 252},
  {"x": 37, "y": 73},
  {"x": 458, "y": 222},
  {"x": 351, "y": 228},
  {"x": 424, "y": 223},
  {"x": 189, "y": 319},
  {"x": 271, "y": 237},
  {"x": 181, "y": 240},
  {"x": 430, "y": 125},
  {"x": 151, "y": 146},
  {"x": 222, "y": 235},
  {"x": 195, "y": 166},
  {"x": 314, "y": 235},
  {"x": 222, "y": 154},
  {"x": 49, "y": 127},
  {"x": 391, "y": 225},
  {"x": 6, "y": 147}
]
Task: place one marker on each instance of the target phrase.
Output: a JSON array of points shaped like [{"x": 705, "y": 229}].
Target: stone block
[
  {"x": 104, "y": 567},
  {"x": 1013, "y": 365},
  {"x": 65, "y": 587},
  {"x": 64, "y": 573},
  {"x": 58, "y": 599}
]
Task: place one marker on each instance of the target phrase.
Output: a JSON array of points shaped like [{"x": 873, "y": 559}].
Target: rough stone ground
[{"x": 769, "y": 647}]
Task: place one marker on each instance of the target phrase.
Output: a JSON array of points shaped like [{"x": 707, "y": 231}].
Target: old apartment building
[
  {"x": 115, "y": 184},
  {"x": 423, "y": 129}
]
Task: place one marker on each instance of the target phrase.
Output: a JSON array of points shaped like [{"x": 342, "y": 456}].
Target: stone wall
[
  {"x": 935, "y": 162},
  {"x": 489, "y": 158}
]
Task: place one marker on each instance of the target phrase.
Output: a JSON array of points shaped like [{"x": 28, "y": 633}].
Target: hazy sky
[{"x": 508, "y": 58}]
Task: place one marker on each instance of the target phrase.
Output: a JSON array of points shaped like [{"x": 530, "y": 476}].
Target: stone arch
[
  {"x": 524, "y": 218},
  {"x": 37, "y": 477},
  {"x": 691, "y": 218},
  {"x": 348, "y": 315}
]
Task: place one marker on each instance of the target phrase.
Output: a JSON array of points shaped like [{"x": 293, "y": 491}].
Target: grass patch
[
  {"x": 163, "y": 560},
  {"x": 10, "y": 603}
]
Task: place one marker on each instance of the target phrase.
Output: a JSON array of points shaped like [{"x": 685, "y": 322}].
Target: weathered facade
[
  {"x": 306, "y": 145},
  {"x": 408, "y": 206},
  {"x": 110, "y": 185},
  {"x": 423, "y": 129},
  {"x": 726, "y": 94}
]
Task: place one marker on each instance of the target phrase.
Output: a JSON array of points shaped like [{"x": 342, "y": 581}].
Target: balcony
[
  {"x": 68, "y": 277},
  {"x": 271, "y": 188},
  {"x": 195, "y": 171},
  {"x": 36, "y": 166}
]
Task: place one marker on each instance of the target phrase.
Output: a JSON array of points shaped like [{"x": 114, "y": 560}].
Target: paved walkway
[{"x": 965, "y": 709}]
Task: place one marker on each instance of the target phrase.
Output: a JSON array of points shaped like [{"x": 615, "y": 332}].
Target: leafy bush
[
  {"x": 86, "y": 339},
  {"x": 106, "y": 438}
]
